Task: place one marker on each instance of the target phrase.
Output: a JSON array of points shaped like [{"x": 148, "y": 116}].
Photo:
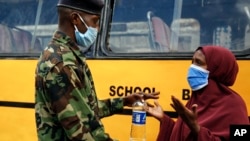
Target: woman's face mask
[
  {"x": 88, "y": 38},
  {"x": 197, "y": 77}
]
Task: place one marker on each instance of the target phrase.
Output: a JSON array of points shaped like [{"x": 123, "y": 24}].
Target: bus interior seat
[
  {"x": 159, "y": 33},
  {"x": 15, "y": 40}
]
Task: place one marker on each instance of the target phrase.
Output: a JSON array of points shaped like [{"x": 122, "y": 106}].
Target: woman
[{"x": 213, "y": 106}]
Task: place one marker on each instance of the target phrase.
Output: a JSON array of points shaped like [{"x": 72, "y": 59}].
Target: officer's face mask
[
  {"x": 197, "y": 77},
  {"x": 88, "y": 38}
]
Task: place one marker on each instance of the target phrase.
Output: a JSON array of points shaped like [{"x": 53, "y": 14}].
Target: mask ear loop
[
  {"x": 76, "y": 28},
  {"x": 83, "y": 21}
]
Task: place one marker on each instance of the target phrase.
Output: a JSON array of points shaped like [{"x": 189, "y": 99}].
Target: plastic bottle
[{"x": 138, "y": 127}]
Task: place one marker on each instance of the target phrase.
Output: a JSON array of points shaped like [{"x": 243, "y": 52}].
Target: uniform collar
[{"x": 64, "y": 39}]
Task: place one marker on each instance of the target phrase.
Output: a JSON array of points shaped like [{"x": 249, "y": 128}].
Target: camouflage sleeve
[
  {"x": 70, "y": 101},
  {"x": 110, "y": 106}
]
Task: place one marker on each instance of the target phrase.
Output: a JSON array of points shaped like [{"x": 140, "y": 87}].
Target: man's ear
[{"x": 74, "y": 18}]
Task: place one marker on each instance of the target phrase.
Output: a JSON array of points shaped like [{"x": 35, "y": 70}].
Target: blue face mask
[
  {"x": 197, "y": 77},
  {"x": 88, "y": 38}
]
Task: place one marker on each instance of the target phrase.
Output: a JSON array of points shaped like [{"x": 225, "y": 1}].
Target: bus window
[
  {"x": 247, "y": 37},
  {"x": 190, "y": 24},
  {"x": 129, "y": 37},
  {"x": 24, "y": 25},
  {"x": 222, "y": 36},
  {"x": 159, "y": 33},
  {"x": 185, "y": 32}
]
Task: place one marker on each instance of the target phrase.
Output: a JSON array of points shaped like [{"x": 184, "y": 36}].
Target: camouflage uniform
[{"x": 66, "y": 104}]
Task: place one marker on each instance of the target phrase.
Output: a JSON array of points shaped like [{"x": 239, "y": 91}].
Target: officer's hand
[{"x": 129, "y": 100}]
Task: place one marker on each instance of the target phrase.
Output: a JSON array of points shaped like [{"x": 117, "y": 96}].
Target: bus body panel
[{"x": 112, "y": 78}]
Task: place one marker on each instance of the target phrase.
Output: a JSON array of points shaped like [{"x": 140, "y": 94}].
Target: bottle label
[{"x": 139, "y": 117}]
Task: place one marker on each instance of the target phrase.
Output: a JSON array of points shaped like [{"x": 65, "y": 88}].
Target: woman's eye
[{"x": 199, "y": 62}]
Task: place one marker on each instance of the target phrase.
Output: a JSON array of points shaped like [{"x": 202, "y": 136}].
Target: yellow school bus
[{"x": 142, "y": 46}]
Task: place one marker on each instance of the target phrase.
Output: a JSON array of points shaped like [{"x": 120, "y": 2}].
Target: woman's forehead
[{"x": 199, "y": 55}]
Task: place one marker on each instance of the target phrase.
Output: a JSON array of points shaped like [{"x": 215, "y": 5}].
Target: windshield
[{"x": 178, "y": 25}]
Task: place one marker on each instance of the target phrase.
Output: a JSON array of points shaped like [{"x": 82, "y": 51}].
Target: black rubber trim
[{"x": 17, "y": 104}]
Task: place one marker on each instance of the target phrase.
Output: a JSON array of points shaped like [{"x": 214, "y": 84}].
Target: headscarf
[
  {"x": 221, "y": 64},
  {"x": 218, "y": 105}
]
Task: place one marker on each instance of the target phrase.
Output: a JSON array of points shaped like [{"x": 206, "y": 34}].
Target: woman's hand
[
  {"x": 188, "y": 116},
  {"x": 130, "y": 99},
  {"x": 155, "y": 111}
]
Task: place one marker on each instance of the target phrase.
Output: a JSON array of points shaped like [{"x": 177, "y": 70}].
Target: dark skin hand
[
  {"x": 189, "y": 116},
  {"x": 156, "y": 111},
  {"x": 130, "y": 99}
]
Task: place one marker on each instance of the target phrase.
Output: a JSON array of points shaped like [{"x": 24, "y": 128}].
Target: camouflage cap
[{"x": 89, "y": 6}]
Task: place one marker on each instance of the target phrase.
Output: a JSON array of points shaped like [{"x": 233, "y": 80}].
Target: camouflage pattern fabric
[{"x": 66, "y": 105}]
